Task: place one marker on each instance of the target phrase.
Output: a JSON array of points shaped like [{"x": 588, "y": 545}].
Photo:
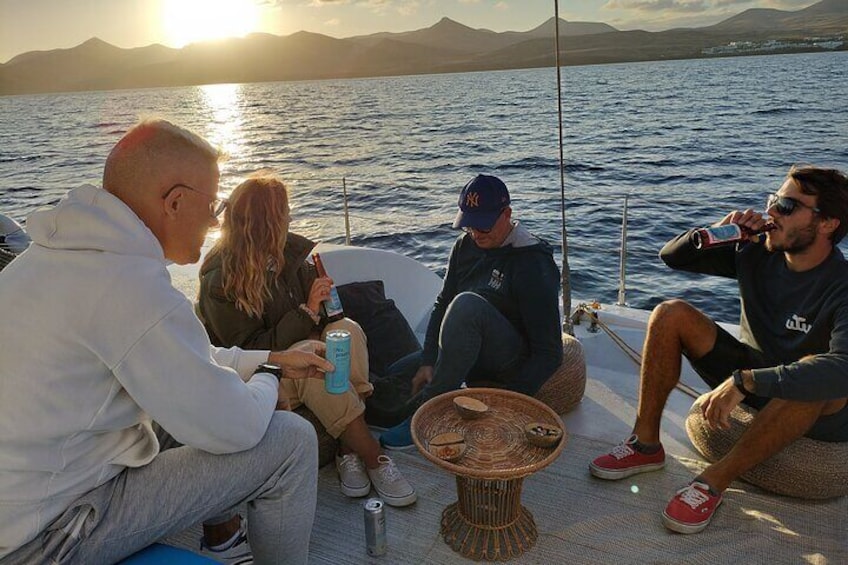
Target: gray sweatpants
[{"x": 184, "y": 486}]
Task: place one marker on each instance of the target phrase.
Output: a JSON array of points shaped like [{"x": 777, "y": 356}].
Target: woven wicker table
[{"x": 488, "y": 521}]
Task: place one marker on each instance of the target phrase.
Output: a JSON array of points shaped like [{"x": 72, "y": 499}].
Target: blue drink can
[{"x": 338, "y": 353}]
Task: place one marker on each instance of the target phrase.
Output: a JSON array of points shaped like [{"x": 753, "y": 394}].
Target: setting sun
[{"x": 187, "y": 21}]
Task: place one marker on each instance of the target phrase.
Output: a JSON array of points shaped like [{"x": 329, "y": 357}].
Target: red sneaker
[
  {"x": 691, "y": 509},
  {"x": 624, "y": 461}
]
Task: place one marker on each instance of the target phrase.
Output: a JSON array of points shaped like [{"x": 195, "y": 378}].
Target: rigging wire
[{"x": 567, "y": 325}]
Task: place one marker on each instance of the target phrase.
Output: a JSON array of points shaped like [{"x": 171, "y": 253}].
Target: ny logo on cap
[{"x": 472, "y": 199}]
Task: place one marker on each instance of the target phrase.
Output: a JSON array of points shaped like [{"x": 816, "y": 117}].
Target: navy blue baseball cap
[{"x": 481, "y": 202}]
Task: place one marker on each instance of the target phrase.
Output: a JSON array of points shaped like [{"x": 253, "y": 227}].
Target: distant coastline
[
  {"x": 665, "y": 134},
  {"x": 445, "y": 47}
]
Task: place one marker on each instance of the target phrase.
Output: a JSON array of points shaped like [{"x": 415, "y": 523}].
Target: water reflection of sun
[
  {"x": 187, "y": 21},
  {"x": 224, "y": 123}
]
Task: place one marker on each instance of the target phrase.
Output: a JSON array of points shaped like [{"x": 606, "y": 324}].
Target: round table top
[{"x": 496, "y": 445}]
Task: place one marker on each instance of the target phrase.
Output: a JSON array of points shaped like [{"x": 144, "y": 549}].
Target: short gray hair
[
  {"x": 180, "y": 133},
  {"x": 141, "y": 151}
]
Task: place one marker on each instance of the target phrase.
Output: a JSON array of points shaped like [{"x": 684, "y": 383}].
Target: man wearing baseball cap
[{"x": 496, "y": 320}]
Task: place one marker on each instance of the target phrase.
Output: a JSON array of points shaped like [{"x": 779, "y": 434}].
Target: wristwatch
[
  {"x": 738, "y": 382},
  {"x": 275, "y": 370}
]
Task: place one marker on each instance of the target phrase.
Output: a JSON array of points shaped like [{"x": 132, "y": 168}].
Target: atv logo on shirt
[
  {"x": 798, "y": 324},
  {"x": 497, "y": 279}
]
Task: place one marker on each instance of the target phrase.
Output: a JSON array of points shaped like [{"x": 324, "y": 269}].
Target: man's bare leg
[
  {"x": 777, "y": 425},
  {"x": 675, "y": 326}
]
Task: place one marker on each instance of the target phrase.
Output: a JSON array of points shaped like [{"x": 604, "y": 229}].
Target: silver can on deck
[{"x": 375, "y": 527}]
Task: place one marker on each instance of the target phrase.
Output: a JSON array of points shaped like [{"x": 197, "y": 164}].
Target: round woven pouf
[
  {"x": 564, "y": 389},
  {"x": 806, "y": 468}
]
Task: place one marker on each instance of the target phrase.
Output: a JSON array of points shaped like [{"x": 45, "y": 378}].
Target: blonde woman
[{"x": 258, "y": 292}]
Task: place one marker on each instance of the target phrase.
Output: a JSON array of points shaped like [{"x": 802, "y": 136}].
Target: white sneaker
[
  {"x": 237, "y": 553},
  {"x": 390, "y": 484},
  {"x": 353, "y": 479}
]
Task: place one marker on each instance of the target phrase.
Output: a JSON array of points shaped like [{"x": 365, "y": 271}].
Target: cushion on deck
[
  {"x": 388, "y": 332},
  {"x": 806, "y": 468},
  {"x": 564, "y": 389}
]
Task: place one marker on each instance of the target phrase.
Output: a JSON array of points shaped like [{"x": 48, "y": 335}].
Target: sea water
[{"x": 685, "y": 141}]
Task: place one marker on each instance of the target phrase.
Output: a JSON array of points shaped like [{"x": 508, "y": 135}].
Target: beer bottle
[
  {"x": 713, "y": 236},
  {"x": 332, "y": 306}
]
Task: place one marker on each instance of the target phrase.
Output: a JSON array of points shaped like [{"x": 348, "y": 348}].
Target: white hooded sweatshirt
[{"x": 94, "y": 342}]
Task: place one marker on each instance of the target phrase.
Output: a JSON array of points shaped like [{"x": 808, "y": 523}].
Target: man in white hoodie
[{"x": 102, "y": 344}]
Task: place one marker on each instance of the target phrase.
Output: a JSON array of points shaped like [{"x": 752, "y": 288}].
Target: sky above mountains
[{"x": 31, "y": 25}]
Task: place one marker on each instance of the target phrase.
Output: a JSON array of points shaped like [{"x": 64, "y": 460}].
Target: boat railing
[
  {"x": 322, "y": 222},
  {"x": 622, "y": 270},
  {"x": 584, "y": 242}
]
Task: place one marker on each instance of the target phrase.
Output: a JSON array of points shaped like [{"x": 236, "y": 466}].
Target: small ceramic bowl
[
  {"x": 542, "y": 434},
  {"x": 449, "y": 446},
  {"x": 469, "y": 408}
]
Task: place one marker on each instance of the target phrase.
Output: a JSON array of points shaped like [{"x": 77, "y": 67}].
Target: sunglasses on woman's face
[{"x": 785, "y": 205}]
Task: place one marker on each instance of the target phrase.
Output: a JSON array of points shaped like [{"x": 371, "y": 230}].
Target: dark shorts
[{"x": 729, "y": 354}]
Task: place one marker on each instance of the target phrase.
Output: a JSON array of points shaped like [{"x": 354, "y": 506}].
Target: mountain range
[{"x": 447, "y": 46}]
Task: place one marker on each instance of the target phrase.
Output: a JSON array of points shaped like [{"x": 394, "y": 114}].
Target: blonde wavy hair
[{"x": 253, "y": 239}]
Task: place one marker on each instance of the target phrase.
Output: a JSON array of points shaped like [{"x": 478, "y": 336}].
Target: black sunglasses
[
  {"x": 484, "y": 232},
  {"x": 785, "y": 205}
]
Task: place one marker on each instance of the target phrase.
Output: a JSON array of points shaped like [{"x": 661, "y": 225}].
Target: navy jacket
[{"x": 522, "y": 281}]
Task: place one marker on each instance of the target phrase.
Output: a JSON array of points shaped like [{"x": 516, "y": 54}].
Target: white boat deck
[{"x": 581, "y": 519}]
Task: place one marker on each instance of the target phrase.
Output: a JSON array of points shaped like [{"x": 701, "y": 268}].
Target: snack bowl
[
  {"x": 449, "y": 446},
  {"x": 542, "y": 434},
  {"x": 469, "y": 408}
]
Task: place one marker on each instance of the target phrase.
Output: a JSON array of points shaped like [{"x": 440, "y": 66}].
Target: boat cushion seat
[
  {"x": 806, "y": 468},
  {"x": 388, "y": 332},
  {"x": 564, "y": 389}
]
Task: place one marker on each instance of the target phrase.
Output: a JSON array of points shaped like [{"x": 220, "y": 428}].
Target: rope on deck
[{"x": 591, "y": 311}]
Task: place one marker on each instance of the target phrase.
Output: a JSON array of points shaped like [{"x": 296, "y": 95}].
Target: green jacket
[{"x": 282, "y": 323}]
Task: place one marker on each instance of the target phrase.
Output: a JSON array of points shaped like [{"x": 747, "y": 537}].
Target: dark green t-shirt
[{"x": 799, "y": 320}]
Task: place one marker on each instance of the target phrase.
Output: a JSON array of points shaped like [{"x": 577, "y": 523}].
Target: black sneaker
[{"x": 237, "y": 553}]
